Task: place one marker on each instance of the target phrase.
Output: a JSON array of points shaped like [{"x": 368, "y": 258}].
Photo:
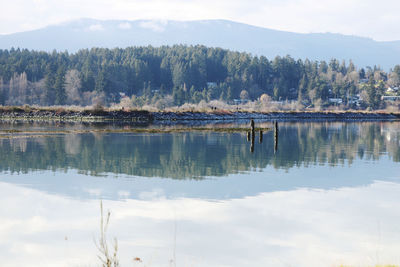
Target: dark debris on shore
[
  {"x": 276, "y": 116},
  {"x": 102, "y": 115}
]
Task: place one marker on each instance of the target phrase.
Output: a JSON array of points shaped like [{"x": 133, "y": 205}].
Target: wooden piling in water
[
  {"x": 253, "y": 135},
  {"x": 252, "y": 142},
  {"x": 276, "y": 133},
  {"x": 261, "y": 136}
]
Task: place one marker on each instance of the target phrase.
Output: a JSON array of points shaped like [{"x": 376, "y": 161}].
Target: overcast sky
[{"x": 369, "y": 18}]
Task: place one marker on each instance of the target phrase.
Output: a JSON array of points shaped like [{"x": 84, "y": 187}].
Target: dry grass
[
  {"x": 45, "y": 133},
  {"x": 107, "y": 258},
  {"x": 220, "y": 107},
  {"x": 389, "y": 265},
  {"x": 214, "y": 107}
]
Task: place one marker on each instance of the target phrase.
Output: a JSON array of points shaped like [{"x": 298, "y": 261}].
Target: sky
[{"x": 367, "y": 18}]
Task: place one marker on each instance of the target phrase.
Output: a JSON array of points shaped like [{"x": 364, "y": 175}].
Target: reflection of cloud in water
[
  {"x": 19, "y": 144},
  {"x": 72, "y": 143},
  {"x": 93, "y": 191},
  {"x": 148, "y": 195},
  {"x": 123, "y": 194},
  {"x": 354, "y": 226}
]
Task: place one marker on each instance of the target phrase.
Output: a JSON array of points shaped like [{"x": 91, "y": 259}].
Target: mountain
[{"x": 87, "y": 33}]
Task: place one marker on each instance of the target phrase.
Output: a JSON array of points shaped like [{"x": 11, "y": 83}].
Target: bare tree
[
  {"x": 353, "y": 76},
  {"x": 394, "y": 79},
  {"x": 38, "y": 92},
  {"x": 18, "y": 89},
  {"x": 265, "y": 99},
  {"x": 2, "y": 95},
  {"x": 378, "y": 75},
  {"x": 23, "y": 88},
  {"x": 244, "y": 95},
  {"x": 72, "y": 87}
]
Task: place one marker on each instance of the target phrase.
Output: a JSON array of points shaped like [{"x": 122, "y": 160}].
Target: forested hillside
[
  {"x": 182, "y": 74},
  {"x": 87, "y": 33}
]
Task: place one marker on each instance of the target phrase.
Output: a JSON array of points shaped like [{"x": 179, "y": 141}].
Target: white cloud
[
  {"x": 93, "y": 191},
  {"x": 96, "y": 27},
  {"x": 154, "y": 25},
  {"x": 123, "y": 194},
  {"x": 125, "y": 26},
  {"x": 155, "y": 193}
]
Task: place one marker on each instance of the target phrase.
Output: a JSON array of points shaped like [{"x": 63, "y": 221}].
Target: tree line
[{"x": 183, "y": 74}]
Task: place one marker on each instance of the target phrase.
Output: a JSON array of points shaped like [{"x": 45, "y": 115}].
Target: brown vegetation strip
[
  {"x": 133, "y": 130},
  {"x": 190, "y": 129},
  {"x": 22, "y": 136}
]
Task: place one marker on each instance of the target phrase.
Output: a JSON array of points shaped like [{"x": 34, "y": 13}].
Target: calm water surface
[{"x": 330, "y": 195}]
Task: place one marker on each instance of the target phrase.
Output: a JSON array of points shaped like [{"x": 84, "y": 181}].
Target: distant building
[
  {"x": 211, "y": 85},
  {"x": 392, "y": 90},
  {"x": 335, "y": 100},
  {"x": 354, "y": 100},
  {"x": 240, "y": 101},
  {"x": 390, "y": 98}
]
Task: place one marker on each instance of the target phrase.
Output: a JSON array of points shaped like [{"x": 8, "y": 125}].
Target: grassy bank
[
  {"x": 73, "y": 113},
  {"x": 101, "y": 114}
]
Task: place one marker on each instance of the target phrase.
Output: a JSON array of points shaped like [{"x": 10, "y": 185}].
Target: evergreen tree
[
  {"x": 229, "y": 94},
  {"x": 59, "y": 87},
  {"x": 374, "y": 92},
  {"x": 100, "y": 83},
  {"x": 178, "y": 95},
  {"x": 50, "y": 94}
]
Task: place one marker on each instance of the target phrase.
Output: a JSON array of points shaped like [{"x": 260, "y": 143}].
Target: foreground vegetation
[
  {"x": 173, "y": 76},
  {"x": 213, "y": 107},
  {"x": 389, "y": 265}
]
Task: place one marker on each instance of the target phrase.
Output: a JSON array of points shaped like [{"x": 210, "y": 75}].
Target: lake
[{"x": 328, "y": 194}]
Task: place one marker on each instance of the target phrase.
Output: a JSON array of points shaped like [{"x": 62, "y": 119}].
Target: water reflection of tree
[{"x": 197, "y": 155}]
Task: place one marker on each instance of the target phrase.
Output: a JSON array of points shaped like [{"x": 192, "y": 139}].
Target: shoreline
[
  {"x": 142, "y": 116},
  {"x": 277, "y": 116}
]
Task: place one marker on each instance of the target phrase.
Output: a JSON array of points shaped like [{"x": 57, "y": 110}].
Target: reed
[{"x": 108, "y": 258}]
